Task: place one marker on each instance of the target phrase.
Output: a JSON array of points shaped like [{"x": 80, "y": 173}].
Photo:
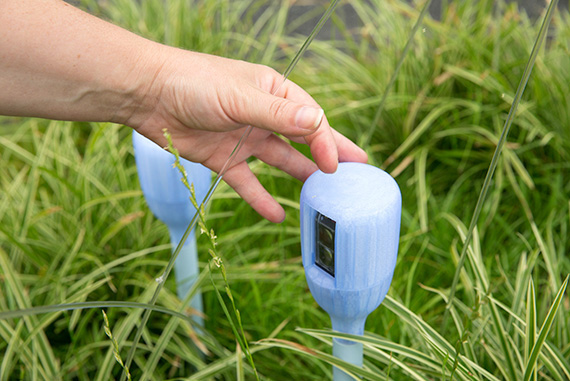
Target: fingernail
[{"x": 309, "y": 118}]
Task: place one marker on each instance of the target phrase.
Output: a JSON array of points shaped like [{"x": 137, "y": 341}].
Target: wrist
[{"x": 141, "y": 86}]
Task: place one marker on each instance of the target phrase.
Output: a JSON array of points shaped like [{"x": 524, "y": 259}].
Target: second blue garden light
[{"x": 169, "y": 200}]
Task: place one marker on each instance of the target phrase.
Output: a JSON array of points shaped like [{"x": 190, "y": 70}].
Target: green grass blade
[
  {"x": 116, "y": 352},
  {"x": 14, "y": 346},
  {"x": 354, "y": 371},
  {"x": 160, "y": 283},
  {"x": 375, "y": 342},
  {"x": 16, "y": 314},
  {"x": 530, "y": 333},
  {"x": 423, "y": 127},
  {"x": 210, "y": 192},
  {"x": 494, "y": 161},
  {"x": 226, "y": 311},
  {"x": 550, "y": 355},
  {"x": 39, "y": 341},
  {"x": 419, "y": 21},
  {"x": 239, "y": 364},
  {"x": 437, "y": 341},
  {"x": 507, "y": 349},
  {"x": 422, "y": 190},
  {"x": 169, "y": 331},
  {"x": 122, "y": 331},
  {"x": 24, "y": 352},
  {"x": 544, "y": 330},
  {"x": 158, "y": 350},
  {"x": 216, "y": 367}
]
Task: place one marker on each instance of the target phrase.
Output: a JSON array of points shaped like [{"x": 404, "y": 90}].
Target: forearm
[{"x": 58, "y": 62}]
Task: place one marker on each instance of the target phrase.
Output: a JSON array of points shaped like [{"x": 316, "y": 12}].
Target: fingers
[
  {"x": 293, "y": 112},
  {"x": 275, "y": 152},
  {"x": 290, "y": 112},
  {"x": 283, "y": 156},
  {"x": 277, "y": 114},
  {"x": 328, "y": 146},
  {"x": 347, "y": 150},
  {"x": 244, "y": 182},
  {"x": 321, "y": 141},
  {"x": 324, "y": 149}
]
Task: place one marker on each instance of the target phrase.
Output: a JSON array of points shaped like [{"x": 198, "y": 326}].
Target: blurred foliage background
[{"x": 74, "y": 227}]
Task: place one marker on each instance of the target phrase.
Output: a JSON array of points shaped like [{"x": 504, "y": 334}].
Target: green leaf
[
  {"x": 494, "y": 161},
  {"x": 544, "y": 330},
  {"x": 530, "y": 333},
  {"x": 352, "y": 370}
]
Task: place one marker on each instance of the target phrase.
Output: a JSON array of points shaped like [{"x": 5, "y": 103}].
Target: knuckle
[
  {"x": 269, "y": 78},
  {"x": 278, "y": 108}
]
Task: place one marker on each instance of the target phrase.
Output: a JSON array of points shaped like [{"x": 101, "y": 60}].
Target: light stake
[
  {"x": 169, "y": 200},
  {"x": 350, "y": 227}
]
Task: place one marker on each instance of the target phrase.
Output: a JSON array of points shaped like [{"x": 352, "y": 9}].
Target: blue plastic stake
[
  {"x": 169, "y": 200},
  {"x": 350, "y": 227}
]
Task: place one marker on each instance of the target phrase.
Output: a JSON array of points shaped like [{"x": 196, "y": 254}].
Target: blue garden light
[
  {"x": 169, "y": 200},
  {"x": 350, "y": 227}
]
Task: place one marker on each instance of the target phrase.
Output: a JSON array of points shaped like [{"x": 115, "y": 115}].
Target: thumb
[{"x": 281, "y": 115}]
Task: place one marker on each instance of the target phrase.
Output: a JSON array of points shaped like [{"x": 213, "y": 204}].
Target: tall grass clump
[{"x": 76, "y": 236}]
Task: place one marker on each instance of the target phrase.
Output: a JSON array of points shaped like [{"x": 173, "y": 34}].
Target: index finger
[{"x": 325, "y": 143}]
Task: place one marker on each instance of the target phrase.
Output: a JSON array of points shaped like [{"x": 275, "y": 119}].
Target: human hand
[
  {"x": 100, "y": 72},
  {"x": 207, "y": 102}
]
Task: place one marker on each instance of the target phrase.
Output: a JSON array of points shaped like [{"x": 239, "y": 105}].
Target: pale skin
[{"x": 59, "y": 62}]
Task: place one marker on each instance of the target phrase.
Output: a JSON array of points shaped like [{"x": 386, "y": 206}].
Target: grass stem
[
  {"x": 495, "y": 159},
  {"x": 219, "y": 177}
]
